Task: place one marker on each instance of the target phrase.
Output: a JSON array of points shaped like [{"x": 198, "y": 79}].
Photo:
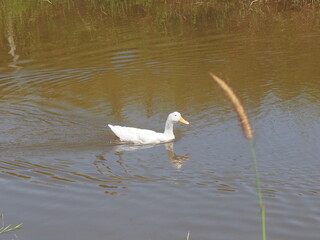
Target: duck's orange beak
[{"x": 183, "y": 121}]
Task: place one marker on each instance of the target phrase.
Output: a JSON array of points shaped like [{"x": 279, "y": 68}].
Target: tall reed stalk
[{"x": 249, "y": 135}]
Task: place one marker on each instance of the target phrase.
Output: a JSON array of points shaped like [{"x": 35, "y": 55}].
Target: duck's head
[{"x": 176, "y": 117}]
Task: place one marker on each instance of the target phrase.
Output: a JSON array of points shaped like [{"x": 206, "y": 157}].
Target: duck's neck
[{"x": 168, "y": 130}]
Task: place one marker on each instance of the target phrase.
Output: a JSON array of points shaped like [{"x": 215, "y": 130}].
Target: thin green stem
[
  {"x": 254, "y": 160},
  {"x": 8, "y": 228}
]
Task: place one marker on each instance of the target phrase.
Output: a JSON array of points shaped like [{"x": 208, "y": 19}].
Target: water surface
[{"x": 67, "y": 76}]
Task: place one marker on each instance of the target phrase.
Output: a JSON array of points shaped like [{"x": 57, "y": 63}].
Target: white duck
[{"x": 144, "y": 136}]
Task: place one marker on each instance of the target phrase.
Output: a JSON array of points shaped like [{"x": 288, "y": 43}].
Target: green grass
[
  {"x": 261, "y": 205},
  {"x": 5, "y": 229},
  {"x": 188, "y": 235}
]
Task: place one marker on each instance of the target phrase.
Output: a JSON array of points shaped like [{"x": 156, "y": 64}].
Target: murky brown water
[{"x": 68, "y": 75}]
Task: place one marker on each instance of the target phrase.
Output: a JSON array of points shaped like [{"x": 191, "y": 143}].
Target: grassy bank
[
  {"x": 35, "y": 24},
  {"x": 160, "y": 11},
  {"x": 156, "y": 14},
  {"x": 192, "y": 11}
]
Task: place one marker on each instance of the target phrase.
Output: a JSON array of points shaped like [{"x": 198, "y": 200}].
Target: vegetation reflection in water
[{"x": 156, "y": 16}]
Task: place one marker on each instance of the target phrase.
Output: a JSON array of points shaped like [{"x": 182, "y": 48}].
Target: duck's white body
[{"x": 145, "y": 136}]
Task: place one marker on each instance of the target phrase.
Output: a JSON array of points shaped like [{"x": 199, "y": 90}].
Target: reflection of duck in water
[
  {"x": 144, "y": 136},
  {"x": 176, "y": 160}
]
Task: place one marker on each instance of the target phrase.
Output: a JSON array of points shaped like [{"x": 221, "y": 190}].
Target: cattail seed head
[{"x": 237, "y": 105}]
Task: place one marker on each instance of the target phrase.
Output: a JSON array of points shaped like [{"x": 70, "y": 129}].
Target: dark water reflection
[{"x": 61, "y": 169}]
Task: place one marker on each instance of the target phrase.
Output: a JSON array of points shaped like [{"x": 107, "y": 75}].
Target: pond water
[{"x": 65, "y": 76}]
